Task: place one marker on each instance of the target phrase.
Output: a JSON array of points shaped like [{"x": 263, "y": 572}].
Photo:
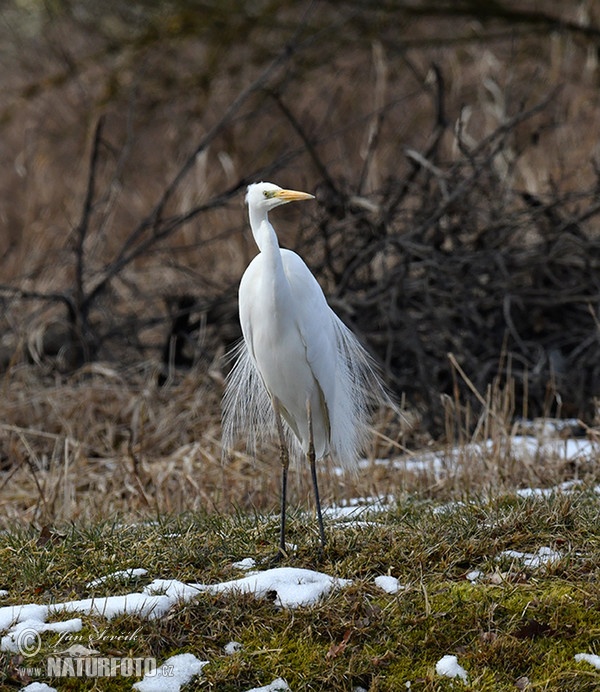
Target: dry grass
[
  {"x": 103, "y": 443},
  {"x": 98, "y": 445}
]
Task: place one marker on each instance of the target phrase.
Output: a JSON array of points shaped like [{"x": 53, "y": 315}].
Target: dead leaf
[
  {"x": 336, "y": 649},
  {"x": 47, "y": 535}
]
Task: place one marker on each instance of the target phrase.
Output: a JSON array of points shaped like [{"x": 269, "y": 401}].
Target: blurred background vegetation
[{"x": 452, "y": 146}]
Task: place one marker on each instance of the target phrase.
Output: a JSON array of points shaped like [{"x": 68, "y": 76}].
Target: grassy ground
[{"x": 515, "y": 624}]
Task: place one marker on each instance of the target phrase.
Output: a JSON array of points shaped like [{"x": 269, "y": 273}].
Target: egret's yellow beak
[{"x": 292, "y": 195}]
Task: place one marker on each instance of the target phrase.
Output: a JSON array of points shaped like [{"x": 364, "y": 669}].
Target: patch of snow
[
  {"x": 474, "y": 576},
  {"x": 120, "y": 575},
  {"x": 278, "y": 685},
  {"x": 565, "y": 487},
  {"x": 232, "y": 648},
  {"x": 388, "y": 584},
  {"x": 589, "y": 658},
  {"x": 13, "y": 614},
  {"x": 544, "y": 556},
  {"x": 357, "y": 507},
  {"x": 245, "y": 564},
  {"x": 572, "y": 449},
  {"x": 549, "y": 426},
  {"x": 449, "y": 667},
  {"x": 109, "y": 607},
  {"x": 173, "y": 589},
  {"x": 172, "y": 674},
  {"x": 431, "y": 462},
  {"x": 522, "y": 447},
  {"x": 449, "y": 507},
  {"x": 38, "y": 687},
  {"x": 3, "y": 593},
  {"x": 293, "y": 586},
  {"x": 24, "y": 637}
]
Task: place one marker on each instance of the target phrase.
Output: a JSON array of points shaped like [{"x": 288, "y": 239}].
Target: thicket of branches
[
  {"x": 456, "y": 278},
  {"x": 455, "y": 249}
]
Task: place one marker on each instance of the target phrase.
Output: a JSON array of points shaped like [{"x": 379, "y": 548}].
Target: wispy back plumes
[{"x": 248, "y": 412}]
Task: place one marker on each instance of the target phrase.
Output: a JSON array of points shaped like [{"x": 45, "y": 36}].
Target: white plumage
[{"x": 296, "y": 358}]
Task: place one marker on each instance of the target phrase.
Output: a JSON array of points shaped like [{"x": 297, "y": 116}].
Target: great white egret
[{"x": 299, "y": 369}]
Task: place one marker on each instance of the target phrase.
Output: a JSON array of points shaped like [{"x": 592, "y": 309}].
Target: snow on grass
[
  {"x": 474, "y": 576},
  {"x": 449, "y": 667},
  {"x": 356, "y": 508},
  {"x": 388, "y": 584},
  {"x": 38, "y": 687},
  {"x": 571, "y": 449},
  {"x": 27, "y": 623},
  {"x": 520, "y": 447},
  {"x": 13, "y": 614},
  {"x": 246, "y": 564},
  {"x": 449, "y": 507},
  {"x": 141, "y": 604},
  {"x": 525, "y": 448},
  {"x": 172, "y": 674},
  {"x": 173, "y": 590},
  {"x": 232, "y": 648},
  {"x": 287, "y": 587},
  {"x": 565, "y": 487},
  {"x": 544, "y": 556},
  {"x": 292, "y": 587},
  {"x": 121, "y": 575},
  {"x": 593, "y": 659}
]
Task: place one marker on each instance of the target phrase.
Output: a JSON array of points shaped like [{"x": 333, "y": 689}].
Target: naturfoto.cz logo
[
  {"x": 29, "y": 643},
  {"x": 102, "y": 667}
]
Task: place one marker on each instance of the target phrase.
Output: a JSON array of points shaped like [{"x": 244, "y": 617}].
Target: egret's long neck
[
  {"x": 265, "y": 236},
  {"x": 273, "y": 284}
]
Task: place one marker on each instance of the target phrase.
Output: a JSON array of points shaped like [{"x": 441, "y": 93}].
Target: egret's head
[{"x": 266, "y": 196}]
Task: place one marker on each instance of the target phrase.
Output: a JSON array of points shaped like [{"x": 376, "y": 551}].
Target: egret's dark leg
[
  {"x": 313, "y": 472},
  {"x": 285, "y": 463}
]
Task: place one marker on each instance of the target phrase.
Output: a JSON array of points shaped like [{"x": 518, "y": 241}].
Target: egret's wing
[
  {"x": 343, "y": 369},
  {"x": 313, "y": 318}
]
